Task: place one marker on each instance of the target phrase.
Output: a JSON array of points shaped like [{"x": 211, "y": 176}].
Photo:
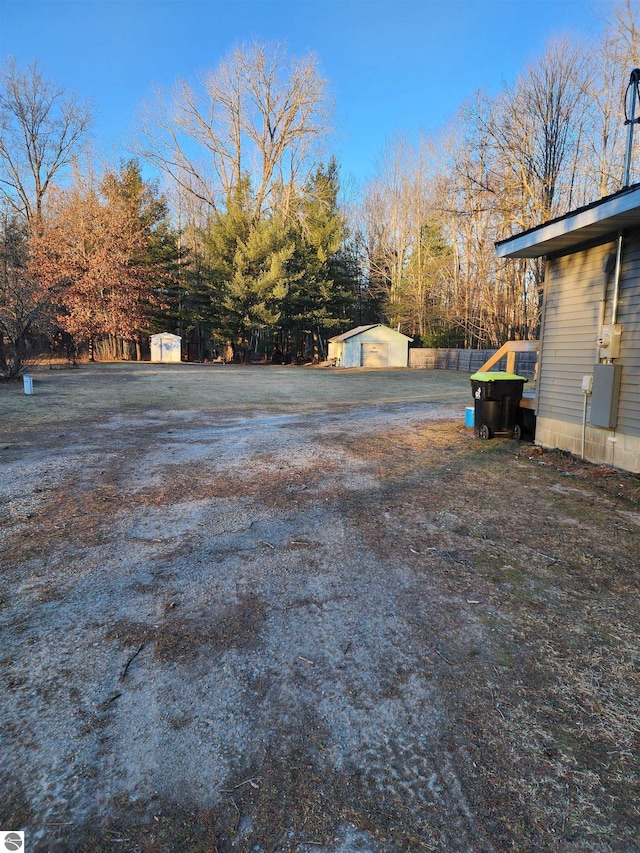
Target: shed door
[{"x": 374, "y": 355}]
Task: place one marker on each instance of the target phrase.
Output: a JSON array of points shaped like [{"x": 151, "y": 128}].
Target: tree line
[
  {"x": 549, "y": 142},
  {"x": 241, "y": 244}
]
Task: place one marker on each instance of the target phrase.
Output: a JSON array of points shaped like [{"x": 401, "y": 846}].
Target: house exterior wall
[
  {"x": 349, "y": 352},
  {"x": 629, "y": 316},
  {"x": 573, "y": 293}
]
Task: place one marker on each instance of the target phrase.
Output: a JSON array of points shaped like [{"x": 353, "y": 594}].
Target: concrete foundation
[{"x": 602, "y": 446}]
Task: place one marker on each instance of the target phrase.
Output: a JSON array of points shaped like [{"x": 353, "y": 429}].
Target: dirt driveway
[{"x": 281, "y": 609}]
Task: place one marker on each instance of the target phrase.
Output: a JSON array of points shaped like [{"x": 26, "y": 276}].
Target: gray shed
[
  {"x": 370, "y": 346},
  {"x": 588, "y": 397}
]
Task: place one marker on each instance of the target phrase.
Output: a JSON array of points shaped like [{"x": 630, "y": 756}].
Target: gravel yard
[{"x": 296, "y": 609}]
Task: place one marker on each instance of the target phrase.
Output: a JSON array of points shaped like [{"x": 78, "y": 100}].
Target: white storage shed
[
  {"x": 166, "y": 347},
  {"x": 370, "y": 346}
]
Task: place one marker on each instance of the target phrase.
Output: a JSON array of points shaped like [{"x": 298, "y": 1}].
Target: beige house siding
[
  {"x": 573, "y": 292},
  {"x": 629, "y": 316},
  {"x": 573, "y": 288}
]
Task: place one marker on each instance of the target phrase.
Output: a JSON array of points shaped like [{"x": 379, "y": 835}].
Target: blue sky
[{"x": 399, "y": 65}]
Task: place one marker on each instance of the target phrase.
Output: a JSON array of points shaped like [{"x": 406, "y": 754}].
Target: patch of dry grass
[
  {"x": 547, "y": 711},
  {"x": 178, "y": 638},
  {"x": 530, "y": 549}
]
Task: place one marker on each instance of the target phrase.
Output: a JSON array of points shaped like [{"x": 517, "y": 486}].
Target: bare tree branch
[
  {"x": 41, "y": 130},
  {"x": 257, "y": 115}
]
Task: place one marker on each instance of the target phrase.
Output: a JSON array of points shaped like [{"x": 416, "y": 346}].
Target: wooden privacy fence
[{"x": 468, "y": 360}]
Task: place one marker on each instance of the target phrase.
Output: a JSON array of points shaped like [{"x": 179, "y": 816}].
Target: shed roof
[
  {"x": 606, "y": 216},
  {"x": 360, "y": 329},
  {"x": 165, "y": 336}
]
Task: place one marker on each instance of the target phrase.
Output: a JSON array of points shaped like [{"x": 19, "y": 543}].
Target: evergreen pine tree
[
  {"x": 319, "y": 300},
  {"x": 250, "y": 270}
]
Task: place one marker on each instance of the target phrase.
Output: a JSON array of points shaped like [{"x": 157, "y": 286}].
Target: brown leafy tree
[
  {"x": 25, "y": 300},
  {"x": 41, "y": 130},
  {"x": 94, "y": 249}
]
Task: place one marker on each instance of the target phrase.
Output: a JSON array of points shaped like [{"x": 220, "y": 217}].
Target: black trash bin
[
  {"x": 526, "y": 419},
  {"x": 497, "y": 396}
]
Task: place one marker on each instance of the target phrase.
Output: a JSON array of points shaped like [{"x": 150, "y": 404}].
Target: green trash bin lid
[{"x": 494, "y": 375}]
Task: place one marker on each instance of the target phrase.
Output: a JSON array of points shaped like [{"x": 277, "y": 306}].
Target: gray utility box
[{"x": 604, "y": 399}]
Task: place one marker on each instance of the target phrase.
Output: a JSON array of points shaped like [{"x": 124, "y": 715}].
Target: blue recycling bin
[{"x": 469, "y": 417}]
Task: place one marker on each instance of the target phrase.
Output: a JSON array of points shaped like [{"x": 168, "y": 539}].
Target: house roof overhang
[{"x": 595, "y": 221}]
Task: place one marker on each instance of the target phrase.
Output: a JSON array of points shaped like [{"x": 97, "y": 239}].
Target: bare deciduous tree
[
  {"x": 624, "y": 33},
  {"x": 607, "y": 76},
  {"x": 535, "y": 131},
  {"x": 394, "y": 211},
  {"x": 25, "y": 301},
  {"x": 259, "y": 114},
  {"x": 41, "y": 129}
]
